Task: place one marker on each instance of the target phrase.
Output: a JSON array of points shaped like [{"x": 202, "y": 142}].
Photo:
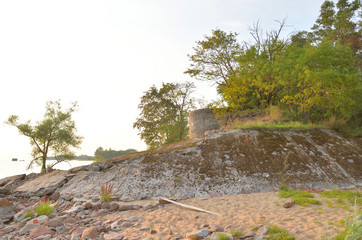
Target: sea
[{"x": 11, "y": 168}]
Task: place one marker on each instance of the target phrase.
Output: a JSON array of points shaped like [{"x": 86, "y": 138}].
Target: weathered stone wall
[{"x": 202, "y": 120}]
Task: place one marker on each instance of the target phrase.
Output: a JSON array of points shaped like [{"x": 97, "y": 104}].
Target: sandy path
[{"x": 239, "y": 212}]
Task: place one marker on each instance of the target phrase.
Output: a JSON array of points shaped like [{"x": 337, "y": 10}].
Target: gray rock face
[
  {"x": 224, "y": 163},
  {"x": 43, "y": 185},
  {"x": 232, "y": 162}
]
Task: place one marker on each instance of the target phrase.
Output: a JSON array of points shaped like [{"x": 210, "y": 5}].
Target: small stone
[
  {"x": 288, "y": 204},
  {"x": 133, "y": 219},
  {"x": 216, "y": 228},
  {"x": 26, "y": 229},
  {"x": 69, "y": 220},
  {"x": 87, "y": 205},
  {"x": 261, "y": 231},
  {"x": 153, "y": 231},
  {"x": 67, "y": 197},
  {"x": 198, "y": 235},
  {"x": 53, "y": 223},
  {"x": 90, "y": 233},
  {"x": 145, "y": 229},
  {"x": 40, "y": 231},
  {"x": 105, "y": 205},
  {"x": 125, "y": 207},
  {"x": 9, "y": 229},
  {"x": 75, "y": 209},
  {"x": 249, "y": 234},
  {"x": 127, "y": 224},
  {"x": 5, "y": 203},
  {"x": 114, "y": 207},
  {"x": 41, "y": 219},
  {"x": 143, "y": 196},
  {"x": 96, "y": 207},
  {"x": 46, "y": 237},
  {"x": 75, "y": 234},
  {"x": 113, "y": 236},
  {"x": 115, "y": 226}
]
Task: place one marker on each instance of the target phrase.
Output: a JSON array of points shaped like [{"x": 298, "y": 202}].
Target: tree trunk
[{"x": 43, "y": 166}]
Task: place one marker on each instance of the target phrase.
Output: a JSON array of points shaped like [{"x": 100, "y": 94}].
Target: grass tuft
[
  {"x": 353, "y": 226},
  {"x": 340, "y": 196},
  {"x": 299, "y": 197},
  {"x": 223, "y": 236},
  {"x": 29, "y": 214},
  {"x": 44, "y": 207},
  {"x": 236, "y": 233},
  {"x": 276, "y": 233}
]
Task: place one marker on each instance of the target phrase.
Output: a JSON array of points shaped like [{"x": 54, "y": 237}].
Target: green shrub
[
  {"x": 350, "y": 196},
  {"x": 236, "y": 233},
  {"x": 276, "y": 233},
  {"x": 299, "y": 197},
  {"x": 223, "y": 236},
  {"x": 29, "y": 214},
  {"x": 44, "y": 207}
]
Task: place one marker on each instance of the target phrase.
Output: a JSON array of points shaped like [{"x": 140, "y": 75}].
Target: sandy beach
[{"x": 239, "y": 212}]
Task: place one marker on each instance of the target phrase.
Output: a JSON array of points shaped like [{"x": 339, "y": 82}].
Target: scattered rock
[
  {"x": 133, "y": 219},
  {"x": 262, "y": 230},
  {"x": 75, "y": 209},
  {"x": 114, "y": 207},
  {"x": 125, "y": 207},
  {"x": 53, "y": 223},
  {"x": 115, "y": 226},
  {"x": 105, "y": 205},
  {"x": 113, "y": 236},
  {"x": 87, "y": 205},
  {"x": 41, "y": 219},
  {"x": 216, "y": 228},
  {"x": 5, "y": 203},
  {"x": 288, "y": 204},
  {"x": 90, "y": 233},
  {"x": 198, "y": 235},
  {"x": 40, "y": 231},
  {"x": 27, "y": 228}
]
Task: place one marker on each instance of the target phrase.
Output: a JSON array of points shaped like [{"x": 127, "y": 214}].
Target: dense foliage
[
  {"x": 103, "y": 154},
  {"x": 55, "y": 135},
  {"x": 315, "y": 75},
  {"x": 164, "y": 114}
]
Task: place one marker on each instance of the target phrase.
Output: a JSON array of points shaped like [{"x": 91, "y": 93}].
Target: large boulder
[
  {"x": 232, "y": 162},
  {"x": 44, "y": 185}
]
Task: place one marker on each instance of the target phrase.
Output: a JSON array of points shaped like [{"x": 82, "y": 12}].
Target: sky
[{"x": 106, "y": 54}]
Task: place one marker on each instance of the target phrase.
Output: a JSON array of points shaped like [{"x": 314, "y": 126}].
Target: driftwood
[{"x": 190, "y": 207}]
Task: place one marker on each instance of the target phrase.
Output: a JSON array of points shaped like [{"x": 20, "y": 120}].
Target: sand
[{"x": 239, "y": 212}]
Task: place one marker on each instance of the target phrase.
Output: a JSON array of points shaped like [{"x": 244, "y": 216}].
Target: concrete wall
[{"x": 200, "y": 121}]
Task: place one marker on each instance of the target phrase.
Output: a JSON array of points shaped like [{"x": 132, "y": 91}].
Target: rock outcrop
[{"x": 224, "y": 163}]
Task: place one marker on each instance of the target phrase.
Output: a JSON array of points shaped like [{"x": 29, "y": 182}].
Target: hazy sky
[{"x": 105, "y": 54}]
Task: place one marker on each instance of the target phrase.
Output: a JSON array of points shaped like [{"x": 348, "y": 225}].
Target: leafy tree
[
  {"x": 325, "y": 22},
  {"x": 164, "y": 114},
  {"x": 215, "y": 58},
  {"x": 320, "y": 80},
  {"x": 103, "y": 154},
  {"x": 55, "y": 134},
  {"x": 342, "y": 26},
  {"x": 256, "y": 83}
]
